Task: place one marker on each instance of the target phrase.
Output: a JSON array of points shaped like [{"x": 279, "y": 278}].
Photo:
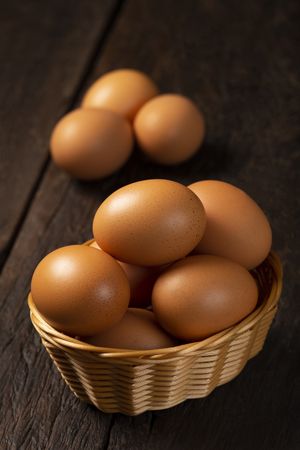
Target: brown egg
[
  {"x": 123, "y": 91},
  {"x": 201, "y": 295},
  {"x": 141, "y": 281},
  {"x": 150, "y": 222},
  {"x": 236, "y": 226},
  {"x": 137, "y": 330},
  {"x": 91, "y": 143},
  {"x": 80, "y": 290},
  {"x": 169, "y": 128}
]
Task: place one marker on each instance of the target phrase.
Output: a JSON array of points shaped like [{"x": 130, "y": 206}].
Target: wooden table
[{"x": 240, "y": 62}]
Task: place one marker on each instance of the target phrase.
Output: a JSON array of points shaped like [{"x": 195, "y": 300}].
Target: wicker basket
[{"x": 131, "y": 382}]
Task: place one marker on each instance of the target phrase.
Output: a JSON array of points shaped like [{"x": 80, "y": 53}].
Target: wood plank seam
[{"x": 94, "y": 57}]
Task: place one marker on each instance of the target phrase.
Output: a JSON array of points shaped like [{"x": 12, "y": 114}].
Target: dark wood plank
[
  {"x": 239, "y": 61},
  {"x": 45, "y": 48}
]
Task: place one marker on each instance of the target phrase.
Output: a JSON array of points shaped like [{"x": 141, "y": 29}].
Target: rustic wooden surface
[{"x": 239, "y": 61}]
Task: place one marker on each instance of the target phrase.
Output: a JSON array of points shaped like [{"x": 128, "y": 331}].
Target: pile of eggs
[
  {"x": 97, "y": 139},
  {"x": 169, "y": 264}
]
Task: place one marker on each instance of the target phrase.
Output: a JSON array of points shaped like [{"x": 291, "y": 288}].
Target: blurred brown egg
[
  {"x": 137, "y": 330},
  {"x": 201, "y": 295},
  {"x": 236, "y": 228},
  {"x": 169, "y": 128},
  {"x": 91, "y": 143},
  {"x": 150, "y": 222},
  {"x": 79, "y": 290},
  {"x": 141, "y": 281},
  {"x": 123, "y": 91}
]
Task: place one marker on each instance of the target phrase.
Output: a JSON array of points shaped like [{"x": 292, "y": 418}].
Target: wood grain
[
  {"x": 239, "y": 61},
  {"x": 45, "y": 48}
]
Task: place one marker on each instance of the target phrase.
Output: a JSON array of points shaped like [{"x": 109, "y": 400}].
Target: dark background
[{"x": 239, "y": 61}]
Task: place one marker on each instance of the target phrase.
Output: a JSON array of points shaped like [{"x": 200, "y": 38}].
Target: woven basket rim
[{"x": 46, "y": 331}]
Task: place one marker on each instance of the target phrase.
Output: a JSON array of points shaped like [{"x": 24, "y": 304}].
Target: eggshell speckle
[
  {"x": 137, "y": 330},
  {"x": 201, "y": 295},
  {"x": 236, "y": 228},
  {"x": 149, "y": 223},
  {"x": 123, "y": 91},
  {"x": 90, "y": 143},
  {"x": 169, "y": 128},
  {"x": 80, "y": 290}
]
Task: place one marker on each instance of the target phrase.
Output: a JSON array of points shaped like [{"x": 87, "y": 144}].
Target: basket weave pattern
[{"x": 131, "y": 381}]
